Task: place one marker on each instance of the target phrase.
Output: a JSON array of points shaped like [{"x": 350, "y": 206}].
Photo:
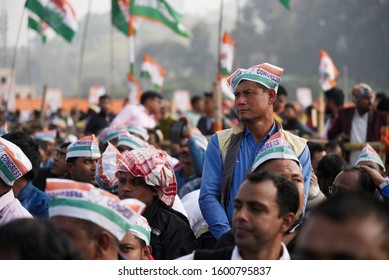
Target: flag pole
[
  {"x": 131, "y": 57},
  {"x": 81, "y": 62},
  {"x": 217, "y": 90},
  {"x": 111, "y": 60},
  {"x": 13, "y": 63},
  {"x": 237, "y": 44}
]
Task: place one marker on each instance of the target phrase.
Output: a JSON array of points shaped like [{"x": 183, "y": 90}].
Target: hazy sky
[{"x": 15, "y": 9}]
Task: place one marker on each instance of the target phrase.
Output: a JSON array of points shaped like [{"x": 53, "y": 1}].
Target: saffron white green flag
[
  {"x": 226, "y": 55},
  {"x": 39, "y": 26},
  {"x": 327, "y": 71},
  {"x": 152, "y": 70},
  {"x": 163, "y": 11},
  {"x": 120, "y": 14},
  {"x": 59, "y": 15}
]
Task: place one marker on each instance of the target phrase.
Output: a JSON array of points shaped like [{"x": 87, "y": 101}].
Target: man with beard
[{"x": 361, "y": 123}]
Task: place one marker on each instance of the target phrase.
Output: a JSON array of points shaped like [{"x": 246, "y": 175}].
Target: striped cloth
[
  {"x": 142, "y": 230},
  {"x": 87, "y": 146},
  {"x": 276, "y": 147},
  {"x": 131, "y": 141},
  {"x": 369, "y": 154},
  {"x": 86, "y": 202},
  {"x": 108, "y": 134},
  {"x": 152, "y": 165},
  {"x": 47, "y": 135},
  {"x": 199, "y": 138},
  {"x": 13, "y": 162},
  {"x": 106, "y": 166},
  {"x": 266, "y": 74}
]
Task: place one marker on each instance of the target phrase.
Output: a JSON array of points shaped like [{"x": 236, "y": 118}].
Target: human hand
[
  {"x": 187, "y": 131},
  {"x": 342, "y": 137},
  {"x": 374, "y": 174}
]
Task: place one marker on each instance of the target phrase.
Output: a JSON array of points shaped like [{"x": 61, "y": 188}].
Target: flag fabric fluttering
[
  {"x": 120, "y": 13},
  {"x": 152, "y": 70},
  {"x": 327, "y": 71},
  {"x": 161, "y": 11},
  {"x": 58, "y": 14},
  {"x": 286, "y": 4},
  {"x": 35, "y": 23},
  {"x": 226, "y": 62},
  {"x": 134, "y": 89},
  {"x": 226, "y": 55}
]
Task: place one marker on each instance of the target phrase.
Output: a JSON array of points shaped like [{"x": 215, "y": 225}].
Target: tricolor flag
[
  {"x": 226, "y": 55},
  {"x": 163, "y": 11},
  {"x": 35, "y": 23},
  {"x": 152, "y": 70},
  {"x": 134, "y": 89},
  {"x": 120, "y": 13},
  {"x": 327, "y": 71},
  {"x": 58, "y": 14}
]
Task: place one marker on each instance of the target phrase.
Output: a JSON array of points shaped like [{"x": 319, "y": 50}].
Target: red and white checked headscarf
[{"x": 152, "y": 165}]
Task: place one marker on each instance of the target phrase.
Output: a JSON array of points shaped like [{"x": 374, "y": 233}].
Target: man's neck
[
  {"x": 361, "y": 112},
  {"x": 19, "y": 185},
  {"x": 260, "y": 128},
  {"x": 274, "y": 252},
  {"x": 4, "y": 189}
]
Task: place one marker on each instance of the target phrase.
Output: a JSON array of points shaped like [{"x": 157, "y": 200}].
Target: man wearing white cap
[
  {"x": 14, "y": 164},
  {"x": 136, "y": 243},
  {"x": 230, "y": 153},
  {"x": 81, "y": 158},
  {"x": 94, "y": 219}
]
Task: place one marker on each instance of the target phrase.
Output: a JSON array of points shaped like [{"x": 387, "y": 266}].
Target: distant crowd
[{"x": 149, "y": 184}]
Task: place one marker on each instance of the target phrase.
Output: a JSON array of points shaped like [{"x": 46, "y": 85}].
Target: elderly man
[
  {"x": 14, "y": 164},
  {"x": 361, "y": 123},
  {"x": 81, "y": 159},
  {"x": 145, "y": 174},
  {"x": 94, "y": 219},
  {"x": 264, "y": 209},
  {"x": 230, "y": 153}
]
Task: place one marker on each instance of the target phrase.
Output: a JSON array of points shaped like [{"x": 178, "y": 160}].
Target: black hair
[
  {"x": 104, "y": 97},
  {"x": 281, "y": 91},
  {"x": 195, "y": 99},
  {"x": 287, "y": 193},
  {"x": 29, "y": 147},
  {"x": 333, "y": 144},
  {"x": 149, "y": 95},
  {"x": 354, "y": 205},
  {"x": 365, "y": 182},
  {"x": 336, "y": 95},
  {"x": 383, "y": 105},
  {"x": 35, "y": 239},
  {"x": 327, "y": 169},
  {"x": 208, "y": 94},
  {"x": 314, "y": 147}
]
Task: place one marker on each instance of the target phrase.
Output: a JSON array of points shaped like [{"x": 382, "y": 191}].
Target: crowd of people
[{"x": 145, "y": 184}]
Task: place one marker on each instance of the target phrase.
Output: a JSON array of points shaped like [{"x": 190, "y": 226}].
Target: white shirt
[
  {"x": 237, "y": 257},
  {"x": 136, "y": 114},
  {"x": 358, "y": 133},
  {"x": 11, "y": 209},
  {"x": 195, "y": 217}
]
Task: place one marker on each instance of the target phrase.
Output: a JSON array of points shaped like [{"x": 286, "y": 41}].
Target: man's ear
[
  {"x": 146, "y": 252},
  {"x": 272, "y": 96},
  {"x": 287, "y": 221},
  {"x": 103, "y": 243}
]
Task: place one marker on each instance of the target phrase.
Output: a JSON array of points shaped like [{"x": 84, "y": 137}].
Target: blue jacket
[{"x": 35, "y": 201}]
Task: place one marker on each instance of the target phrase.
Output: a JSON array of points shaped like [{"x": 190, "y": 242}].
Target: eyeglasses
[{"x": 332, "y": 190}]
